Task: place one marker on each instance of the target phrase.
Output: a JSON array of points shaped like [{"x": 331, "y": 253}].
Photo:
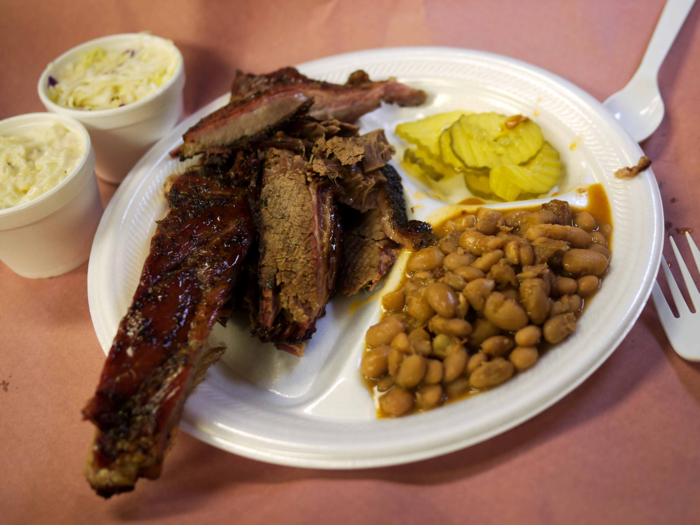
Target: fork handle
[{"x": 667, "y": 28}]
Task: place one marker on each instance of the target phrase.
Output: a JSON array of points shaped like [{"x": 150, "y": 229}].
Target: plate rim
[{"x": 321, "y": 462}]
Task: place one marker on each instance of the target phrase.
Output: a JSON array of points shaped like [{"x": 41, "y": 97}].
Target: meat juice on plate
[{"x": 499, "y": 289}]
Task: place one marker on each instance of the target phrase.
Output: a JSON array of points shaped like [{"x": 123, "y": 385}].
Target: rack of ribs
[{"x": 160, "y": 351}]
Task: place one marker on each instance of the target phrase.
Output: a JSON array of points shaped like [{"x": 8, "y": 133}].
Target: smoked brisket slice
[
  {"x": 368, "y": 253},
  {"x": 298, "y": 236},
  {"x": 244, "y": 120},
  {"x": 346, "y": 102},
  {"x": 160, "y": 352}
]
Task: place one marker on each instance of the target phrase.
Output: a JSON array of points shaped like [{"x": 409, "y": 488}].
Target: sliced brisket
[
  {"x": 299, "y": 234},
  {"x": 368, "y": 253},
  {"x": 244, "y": 120}
]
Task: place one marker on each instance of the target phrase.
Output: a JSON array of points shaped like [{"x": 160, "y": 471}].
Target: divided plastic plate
[{"x": 315, "y": 411}]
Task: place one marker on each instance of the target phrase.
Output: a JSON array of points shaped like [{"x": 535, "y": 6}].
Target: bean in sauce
[{"x": 483, "y": 305}]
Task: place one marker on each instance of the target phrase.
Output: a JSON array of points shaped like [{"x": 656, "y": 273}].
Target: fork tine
[
  {"x": 662, "y": 307},
  {"x": 681, "y": 306},
  {"x": 694, "y": 250},
  {"x": 689, "y": 284}
]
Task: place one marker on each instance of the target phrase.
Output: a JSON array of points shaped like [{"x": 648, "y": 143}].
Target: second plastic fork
[{"x": 683, "y": 331}]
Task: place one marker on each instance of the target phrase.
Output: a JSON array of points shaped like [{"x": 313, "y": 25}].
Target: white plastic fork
[{"x": 683, "y": 331}]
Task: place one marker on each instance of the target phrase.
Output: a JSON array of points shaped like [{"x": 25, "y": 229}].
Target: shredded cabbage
[{"x": 105, "y": 79}]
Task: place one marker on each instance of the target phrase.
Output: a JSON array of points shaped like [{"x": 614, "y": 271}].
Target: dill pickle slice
[
  {"x": 431, "y": 166},
  {"x": 477, "y": 181},
  {"x": 539, "y": 175},
  {"x": 426, "y": 132},
  {"x": 446, "y": 154},
  {"x": 483, "y": 140},
  {"x": 502, "y": 184}
]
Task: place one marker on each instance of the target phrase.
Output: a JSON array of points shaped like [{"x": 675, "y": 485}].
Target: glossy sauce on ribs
[{"x": 160, "y": 352}]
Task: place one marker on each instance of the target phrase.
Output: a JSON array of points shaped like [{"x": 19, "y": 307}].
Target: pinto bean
[
  {"x": 465, "y": 221},
  {"x": 565, "y": 285},
  {"x": 584, "y": 262},
  {"x": 566, "y": 304},
  {"x": 382, "y": 333},
  {"x": 538, "y": 217},
  {"x": 488, "y": 221},
  {"x": 419, "y": 308},
  {"x": 394, "y": 360},
  {"x": 503, "y": 273},
  {"x": 454, "y": 327},
  {"x": 606, "y": 230},
  {"x": 428, "y": 396},
  {"x": 559, "y": 327},
  {"x": 433, "y": 373},
  {"x": 477, "y": 291},
  {"x": 411, "y": 371},
  {"x": 491, "y": 374},
  {"x": 457, "y": 260},
  {"x": 510, "y": 293},
  {"x": 524, "y": 357},
  {"x": 454, "y": 364},
  {"x": 578, "y": 238},
  {"x": 396, "y": 401},
  {"x": 588, "y": 285},
  {"x": 462, "y": 306},
  {"x": 443, "y": 299},
  {"x": 385, "y": 383},
  {"x": 402, "y": 342},
  {"x": 486, "y": 261},
  {"x": 394, "y": 301},
  {"x": 513, "y": 219},
  {"x": 469, "y": 273},
  {"x": 476, "y": 361},
  {"x": 601, "y": 250},
  {"x": 426, "y": 259},
  {"x": 498, "y": 345},
  {"x": 482, "y": 329},
  {"x": 528, "y": 336},
  {"x": 599, "y": 238},
  {"x": 457, "y": 387},
  {"x": 505, "y": 313},
  {"x": 453, "y": 280},
  {"x": 533, "y": 296},
  {"x": 474, "y": 242},
  {"x": 375, "y": 361},
  {"x": 519, "y": 253},
  {"x": 450, "y": 243},
  {"x": 585, "y": 221},
  {"x": 444, "y": 346}
]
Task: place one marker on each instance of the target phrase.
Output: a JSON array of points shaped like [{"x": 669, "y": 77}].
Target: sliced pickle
[
  {"x": 502, "y": 183},
  {"x": 431, "y": 166},
  {"x": 446, "y": 154},
  {"x": 477, "y": 182},
  {"x": 426, "y": 132},
  {"x": 483, "y": 140},
  {"x": 539, "y": 175}
]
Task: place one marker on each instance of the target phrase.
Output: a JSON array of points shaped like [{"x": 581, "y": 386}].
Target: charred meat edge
[{"x": 160, "y": 353}]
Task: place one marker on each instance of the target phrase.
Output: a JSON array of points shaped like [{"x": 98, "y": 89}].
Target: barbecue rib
[
  {"x": 261, "y": 104},
  {"x": 299, "y": 235},
  {"x": 160, "y": 353}
]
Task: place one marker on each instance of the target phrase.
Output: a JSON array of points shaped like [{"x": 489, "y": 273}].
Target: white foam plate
[{"x": 315, "y": 411}]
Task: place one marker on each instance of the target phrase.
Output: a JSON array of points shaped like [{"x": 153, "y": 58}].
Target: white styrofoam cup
[
  {"x": 121, "y": 136},
  {"x": 53, "y": 233}
]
